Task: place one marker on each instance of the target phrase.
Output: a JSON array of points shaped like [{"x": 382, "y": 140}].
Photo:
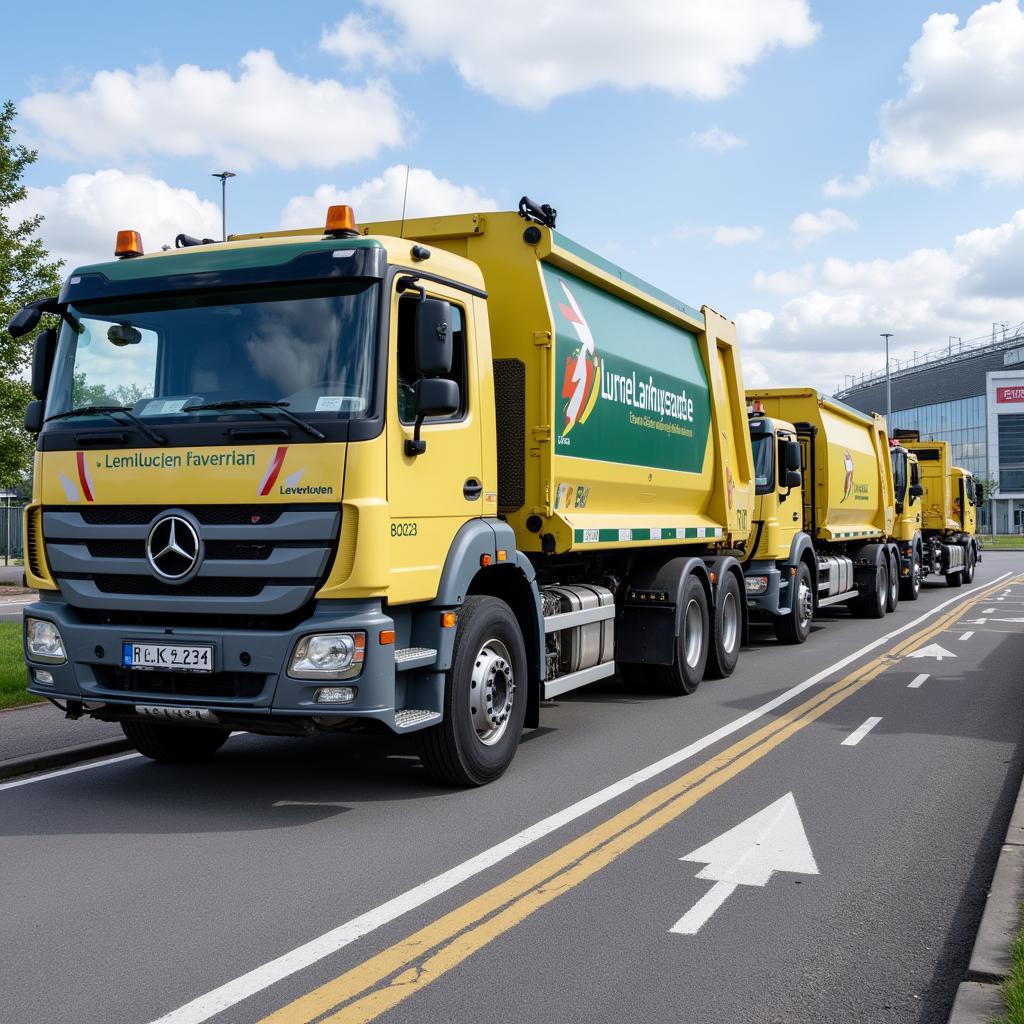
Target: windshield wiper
[
  {"x": 111, "y": 411},
  {"x": 257, "y": 404}
]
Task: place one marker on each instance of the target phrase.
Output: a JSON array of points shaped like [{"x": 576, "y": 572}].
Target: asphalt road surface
[{"x": 809, "y": 840}]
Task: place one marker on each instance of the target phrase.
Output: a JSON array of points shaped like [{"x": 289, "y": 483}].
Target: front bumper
[
  {"x": 249, "y": 684},
  {"x": 775, "y": 599}
]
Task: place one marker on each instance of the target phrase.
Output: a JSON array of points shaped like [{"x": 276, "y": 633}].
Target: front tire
[
  {"x": 174, "y": 744},
  {"x": 727, "y": 630},
  {"x": 484, "y": 698},
  {"x": 691, "y": 655},
  {"x": 969, "y": 565},
  {"x": 955, "y": 579},
  {"x": 910, "y": 588},
  {"x": 795, "y": 627}
]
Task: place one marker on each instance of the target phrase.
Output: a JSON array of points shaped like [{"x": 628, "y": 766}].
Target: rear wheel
[
  {"x": 795, "y": 627},
  {"x": 893, "y": 592},
  {"x": 955, "y": 579},
  {"x": 484, "y": 698},
  {"x": 724, "y": 652},
  {"x": 174, "y": 744},
  {"x": 871, "y": 604},
  {"x": 691, "y": 655},
  {"x": 910, "y": 586}
]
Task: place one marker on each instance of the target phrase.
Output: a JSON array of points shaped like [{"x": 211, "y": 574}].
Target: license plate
[
  {"x": 176, "y": 714},
  {"x": 169, "y": 657}
]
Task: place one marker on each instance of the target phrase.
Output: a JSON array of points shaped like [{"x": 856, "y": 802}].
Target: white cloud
[
  {"x": 811, "y": 227},
  {"x": 83, "y": 215},
  {"x": 831, "y": 313},
  {"x": 381, "y": 198},
  {"x": 736, "y": 235},
  {"x": 356, "y": 41},
  {"x": 531, "y": 53},
  {"x": 852, "y": 188},
  {"x": 962, "y": 110},
  {"x": 265, "y": 114},
  {"x": 718, "y": 139}
]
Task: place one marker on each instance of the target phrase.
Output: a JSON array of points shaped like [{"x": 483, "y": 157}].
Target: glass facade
[
  {"x": 1011, "y": 453},
  {"x": 961, "y": 423}
]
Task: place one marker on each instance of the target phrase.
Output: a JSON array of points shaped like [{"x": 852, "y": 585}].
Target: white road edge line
[
  {"x": 203, "y": 1007},
  {"x": 860, "y": 732},
  {"x": 917, "y": 681},
  {"x": 67, "y": 771},
  {"x": 967, "y": 635}
]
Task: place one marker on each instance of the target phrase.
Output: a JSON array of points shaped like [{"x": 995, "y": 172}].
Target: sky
[{"x": 820, "y": 172}]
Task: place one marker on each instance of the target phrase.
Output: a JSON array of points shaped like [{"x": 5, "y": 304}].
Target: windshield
[
  {"x": 764, "y": 470},
  {"x": 311, "y": 347}
]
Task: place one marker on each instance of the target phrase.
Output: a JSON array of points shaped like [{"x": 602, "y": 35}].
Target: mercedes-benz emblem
[{"x": 172, "y": 548}]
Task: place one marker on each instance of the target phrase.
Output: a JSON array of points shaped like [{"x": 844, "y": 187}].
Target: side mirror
[
  {"x": 916, "y": 491},
  {"x": 435, "y": 396},
  {"x": 793, "y": 458},
  {"x": 24, "y": 320},
  {"x": 433, "y": 338},
  {"x": 979, "y": 492},
  {"x": 42, "y": 361},
  {"x": 794, "y": 478},
  {"x": 34, "y": 417}
]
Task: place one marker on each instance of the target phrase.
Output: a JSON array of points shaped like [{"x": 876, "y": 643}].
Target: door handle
[{"x": 472, "y": 489}]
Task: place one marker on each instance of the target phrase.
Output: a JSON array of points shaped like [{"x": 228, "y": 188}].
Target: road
[{"x": 842, "y": 802}]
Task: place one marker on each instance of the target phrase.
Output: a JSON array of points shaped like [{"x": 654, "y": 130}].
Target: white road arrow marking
[
  {"x": 749, "y": 854},
  {"x": 932, "y": 651}
]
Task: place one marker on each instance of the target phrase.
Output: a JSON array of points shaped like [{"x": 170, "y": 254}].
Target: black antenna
[{"x": 405, "y": 198}]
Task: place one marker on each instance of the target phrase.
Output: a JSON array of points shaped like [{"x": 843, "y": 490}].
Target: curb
[
  {"x": 63, "y": 756},
  {"x": 979, "y": 999}
]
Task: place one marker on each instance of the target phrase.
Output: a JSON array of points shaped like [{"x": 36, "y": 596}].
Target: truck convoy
[
  {"x": 947, "y": 545},
  {"x": 424, "y": 474},
  {"x": 824, "y": 511}
]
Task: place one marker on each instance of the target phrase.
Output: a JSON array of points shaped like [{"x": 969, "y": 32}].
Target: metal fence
[{"x": 12, "y": 540}]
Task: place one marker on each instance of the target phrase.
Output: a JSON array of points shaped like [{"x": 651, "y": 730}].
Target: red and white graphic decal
[
  {"x": 273, "y": 471},
  {"x": 83, "y": 476}
]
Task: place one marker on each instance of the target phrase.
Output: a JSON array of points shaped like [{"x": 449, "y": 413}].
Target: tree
[{"x": 26, "y": 273}]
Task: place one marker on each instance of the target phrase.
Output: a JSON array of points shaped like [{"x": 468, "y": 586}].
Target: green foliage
[
  {"x": 26, "y": 273},
  {"x": 13, "y": 675},
  {"x": 1013, "y": 986}
]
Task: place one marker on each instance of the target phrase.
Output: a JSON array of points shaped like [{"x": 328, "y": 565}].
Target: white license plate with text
[{"x": 169, "y": 657}]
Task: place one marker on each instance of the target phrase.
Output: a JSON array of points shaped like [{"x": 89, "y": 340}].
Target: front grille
[
  {"x": 181, "y": 684},
  {"x": 221, "y": 550},
  {"x": 203, "y": 586},
  {"x": 209, "y": 515}
]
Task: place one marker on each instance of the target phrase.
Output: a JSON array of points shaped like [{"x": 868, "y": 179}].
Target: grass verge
[
  {"x": 1007, "y": 543},
  {"x": 1013, "y": 986},
  {"x": 13, "y": 677}
]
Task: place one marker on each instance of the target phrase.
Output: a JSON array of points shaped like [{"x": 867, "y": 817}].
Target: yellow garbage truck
[
  {"x": 427, "y": 474},
  {"x": 824, "y": 511},
  {"x": 907, "y": 534},
  {"x": 951, "y": 496}
]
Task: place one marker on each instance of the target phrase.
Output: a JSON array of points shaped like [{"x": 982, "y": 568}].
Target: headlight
[
  {"x": 757, "y": 584},
  {"x": 43, "y": 642},
  {"x": 328, "y": 656}
]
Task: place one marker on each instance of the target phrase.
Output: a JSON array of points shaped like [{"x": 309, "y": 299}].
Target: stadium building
[{"x": 970, "y": 394}]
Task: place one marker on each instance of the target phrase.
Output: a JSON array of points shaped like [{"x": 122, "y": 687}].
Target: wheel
[
  {"x": 795, "y": 627},
  {"x": 175, "y": 744},
  {"x": 726, "y": 630},
  {"x": 910, "y": 586},
  {"x": 955, "y": 579},
  {"x": 892, "y": 598},
  {"x": 872, "y": 603},
  {"x": 484, "y": 698},
  {"x": 685, "y": 673},
  {"x": 969, "y": 565}
]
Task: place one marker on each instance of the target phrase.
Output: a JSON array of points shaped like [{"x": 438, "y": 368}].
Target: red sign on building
[{"x": 1006, "y": 395}]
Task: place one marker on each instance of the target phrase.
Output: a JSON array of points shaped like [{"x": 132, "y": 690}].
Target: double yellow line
[{"x": 381, "y": 982}]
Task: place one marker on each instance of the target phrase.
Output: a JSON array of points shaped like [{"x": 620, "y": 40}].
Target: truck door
[{"x": 430, "y": 495}]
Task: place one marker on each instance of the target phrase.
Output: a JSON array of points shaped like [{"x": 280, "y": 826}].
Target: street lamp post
[
  {"x": 888, "y": 382},
  {"x": 224, "y": 175}
]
